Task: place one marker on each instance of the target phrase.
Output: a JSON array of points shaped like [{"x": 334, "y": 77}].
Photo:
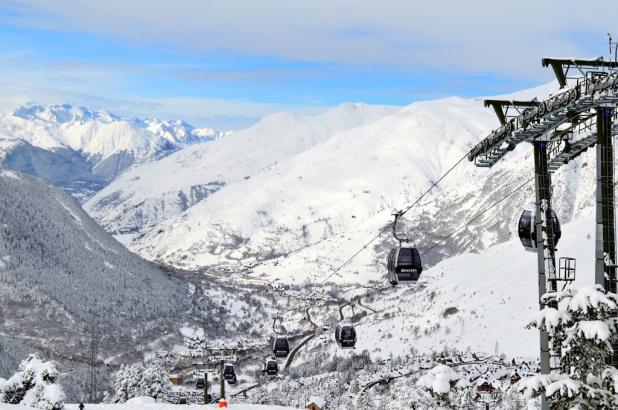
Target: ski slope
[{"x": 478, "y": 303}]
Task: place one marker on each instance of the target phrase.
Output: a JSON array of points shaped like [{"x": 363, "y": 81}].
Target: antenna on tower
[{"x": 613, "y": 48}]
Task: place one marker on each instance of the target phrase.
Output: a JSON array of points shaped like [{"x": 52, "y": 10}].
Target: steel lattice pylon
[{"x": 560, "y": 129}]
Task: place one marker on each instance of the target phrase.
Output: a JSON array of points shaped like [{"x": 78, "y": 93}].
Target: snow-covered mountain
[
  {"x": 65, "y": 281},
  {"x": 61, "y": 272},
  {"x": 145, "y": 197},
  {"x": 300, "y": 212},
  {"x": 82, "y": 150}
]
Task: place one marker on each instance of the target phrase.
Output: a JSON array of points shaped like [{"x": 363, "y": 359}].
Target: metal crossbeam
[
  {"x": 561, "y": 66},
  {"x": 541, "y": 121},
  {"x": 501, "y": 107}
]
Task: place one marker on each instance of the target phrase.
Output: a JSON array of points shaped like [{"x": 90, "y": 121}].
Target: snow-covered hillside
[
  {"x": 466, "y": 308},
  {"x": 65, "y": 281},
  {"x": 477, "y": 302},
  {"x": 61, "y": 272},
  {"x": 318, "y": 203},
  {"x": 82, "y": 150},
  {"x": 143, "y": 198}
]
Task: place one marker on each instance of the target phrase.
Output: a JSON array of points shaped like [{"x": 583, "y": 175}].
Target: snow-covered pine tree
[
  {"x": 581, "y": 328},
  {"x": 155, "y": 381},
  {"x": 128, "y": 382},
  {"x": 35, "y": 385},
  {"x": 439, "y": 381},
  {"x": 136, "y": 380}
]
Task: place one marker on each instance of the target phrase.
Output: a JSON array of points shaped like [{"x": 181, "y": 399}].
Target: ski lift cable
[
  {"x": 388, "y": 227},
  {"x": 477, "y": 216}
]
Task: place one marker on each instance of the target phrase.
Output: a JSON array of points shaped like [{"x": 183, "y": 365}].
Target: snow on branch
[
  {"x": 596, "y": 330},
  {"x": 549, "y": 319},
  {"x": 439, "y": 379}
]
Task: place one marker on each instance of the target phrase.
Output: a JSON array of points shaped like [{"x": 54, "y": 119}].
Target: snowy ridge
[
  {"x": 98, "y": 133},
  {"x": 320, "y": 203},
  {"x": 142, "y": 198},
  {"x": 98, "y": 144},
  {"x": 323, "y": 191}
]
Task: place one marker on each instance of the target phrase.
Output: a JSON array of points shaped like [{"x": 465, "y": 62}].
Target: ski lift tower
[
  {"x": 216, "y": 361},
  {"x": 560, "y": 129}
]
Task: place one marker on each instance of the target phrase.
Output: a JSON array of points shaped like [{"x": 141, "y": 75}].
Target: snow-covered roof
[{"x": 317, "y": 400}]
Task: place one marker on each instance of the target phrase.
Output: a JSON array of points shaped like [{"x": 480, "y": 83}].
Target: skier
[{"x": 81, "y": 406}]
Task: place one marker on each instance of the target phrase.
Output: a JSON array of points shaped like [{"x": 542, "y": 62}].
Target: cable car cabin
[
  {"x": 345, "y": 335},
  {"x": 281, "y": 347},
  {"x": 404, "y": 264},
  {"x": 199, "y": 383},
  {"x": 271, "y": 367},
  {"x": 526, "y": 229},
  {"x": 229, "y": 372}
]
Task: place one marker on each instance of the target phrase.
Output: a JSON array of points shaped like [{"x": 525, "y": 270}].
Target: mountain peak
[{"x": 61, "y": 113}]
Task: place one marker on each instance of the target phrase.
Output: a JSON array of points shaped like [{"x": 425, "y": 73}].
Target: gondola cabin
[
  {"x": 281, "y": 347},
  {"x": 199, "y": 383},
  {"x": 404, "y": 264},
  {"x": 229, "y": 373},
  {"x": 345, "y": 335},
  {"x": 526, "y": 228},
  {"x": 271, "y": 367}
]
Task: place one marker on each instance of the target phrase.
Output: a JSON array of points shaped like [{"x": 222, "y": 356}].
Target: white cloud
[
  {"x": 208, "y": 112},
  {"x": 476, "y": 36}
]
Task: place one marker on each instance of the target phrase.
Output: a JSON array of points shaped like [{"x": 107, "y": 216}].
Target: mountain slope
[
  {"x": 60, "y": 271},
  {"x": 101, "y": 144},
  {"x": 323, "y": 191},
  {"x": 493, "y": 293},
  {"x": 64, "y": 282},
  {"x": 304, "y": 214},
  {"x": 150, "y": 194},
  {"x": 319, "y": 206}
]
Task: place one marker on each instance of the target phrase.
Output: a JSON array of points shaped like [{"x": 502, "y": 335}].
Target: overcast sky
[{"x": 226, "y": 63}]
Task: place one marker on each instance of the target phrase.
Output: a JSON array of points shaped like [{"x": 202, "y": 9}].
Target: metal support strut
[
  {"x": 222, "y": 392},
  {"x": 545, "y": 249},
  {"x": 206, "y": 400},
  {"x": 605, "y": 246}
]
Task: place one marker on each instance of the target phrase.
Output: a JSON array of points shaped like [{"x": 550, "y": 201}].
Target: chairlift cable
[
  {"x": 386, "y": 228},
  {"x": 477, "y": 216}
]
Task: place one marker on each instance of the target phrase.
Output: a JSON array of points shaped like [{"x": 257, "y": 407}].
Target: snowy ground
[
  {"x": 167, "y": 407},
  {"x": 475, "y": 302},
  {"x": 159, "y": 406}
]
